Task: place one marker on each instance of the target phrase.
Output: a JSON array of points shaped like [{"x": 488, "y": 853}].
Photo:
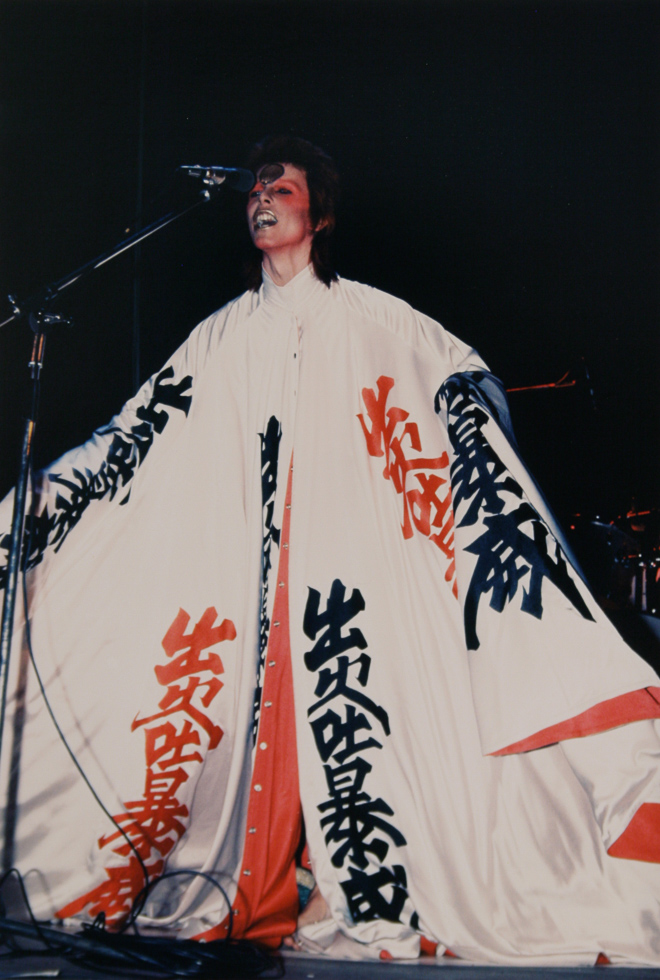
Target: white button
[
  {"x": 288, "y": 506},
  {"x": 285, "y": 545},
  {"x": 268, "y": 704},
  {"x": 246, "y": 872},
  {"x": 271, "y": 663},
  {"x": 252, "y": 830},
  {"x": 276, "y": 624},
  {"x": 257, "y": 787},
  {"x": 263, "y": 745},
  {"x": 281, "y": 584}
]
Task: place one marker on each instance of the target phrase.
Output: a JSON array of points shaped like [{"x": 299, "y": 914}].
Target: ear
[{"x": 323, "y": 223}]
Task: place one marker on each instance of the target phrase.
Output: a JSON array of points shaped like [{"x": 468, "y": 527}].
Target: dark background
[{"x": 500, "y": 172}]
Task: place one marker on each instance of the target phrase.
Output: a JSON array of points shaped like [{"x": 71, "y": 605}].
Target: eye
[{"x": 283, "y": 190}]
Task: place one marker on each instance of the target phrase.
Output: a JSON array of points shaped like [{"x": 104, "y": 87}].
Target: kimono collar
[{"x": 296, "y": 293}]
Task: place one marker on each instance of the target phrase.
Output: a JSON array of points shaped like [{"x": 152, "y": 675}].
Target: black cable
[
  {"x": 141, "y": 897},
  {"x": 135, "y": 910},
  {"x": 124, "y": 954},
  {"x": 15, "y": 873},
  {"x": 95, "y": 947}
]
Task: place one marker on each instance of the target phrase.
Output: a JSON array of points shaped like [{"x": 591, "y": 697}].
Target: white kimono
[{"x": 405, "y": 574}]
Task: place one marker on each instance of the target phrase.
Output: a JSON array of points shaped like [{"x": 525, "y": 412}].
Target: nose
[{"x": 262, "y": 192}]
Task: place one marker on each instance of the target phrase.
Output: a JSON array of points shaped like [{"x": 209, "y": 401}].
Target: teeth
[{"x": 265, "y": 218}]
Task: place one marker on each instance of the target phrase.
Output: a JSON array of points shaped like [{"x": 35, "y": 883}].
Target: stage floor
[{"x": 299, "y": 966}]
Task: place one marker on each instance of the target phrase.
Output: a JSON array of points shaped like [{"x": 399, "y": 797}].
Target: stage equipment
[
  {"x": 236, "y": 178},
  {"x": 578, "y": 373}
]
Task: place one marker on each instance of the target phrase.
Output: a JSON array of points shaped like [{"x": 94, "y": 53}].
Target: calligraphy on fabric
[
  {"x": 348, "y": 726},
  {"x": 515, "y": 547},
  {"x": 126, "y": 452},
  {"x": 427, "y": 506},
  {"x": 270, "y": 444},
  {"x": 177, "y": 736}
]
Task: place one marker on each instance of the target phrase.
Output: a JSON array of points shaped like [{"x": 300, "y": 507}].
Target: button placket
[{"x": 296, "y": 354}]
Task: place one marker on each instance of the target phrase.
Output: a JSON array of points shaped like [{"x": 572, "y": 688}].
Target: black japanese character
[
  {"x": 335, "y": 684},
  {"x": 126, "y": 452},
  {"x": 364, "y": 893},
  {"x": 270, "y": 445},
  {"x": 338, "y": 613},
  {"x": 341, "y": 731},
  {"x": 167, "y": 395},
  {"x": 478, "y": 475},
  {"x": 507, "y": 555},
  {"x": 352, "y": 816}
]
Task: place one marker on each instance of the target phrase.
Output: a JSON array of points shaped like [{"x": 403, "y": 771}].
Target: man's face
[{"x": 278, "y": 209}]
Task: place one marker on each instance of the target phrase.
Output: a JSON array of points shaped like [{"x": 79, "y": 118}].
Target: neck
[{"x": 282, "y": 267}]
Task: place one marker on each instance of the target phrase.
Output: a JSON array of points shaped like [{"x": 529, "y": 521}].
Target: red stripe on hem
[
  {"x": 635, "y": 706},
  {"x": 640, "y": 841}
]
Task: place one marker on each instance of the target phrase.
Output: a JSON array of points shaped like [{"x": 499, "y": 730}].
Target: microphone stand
[
  {"x": 41, "y": 321},
  {"x": 36, "y": 303}
]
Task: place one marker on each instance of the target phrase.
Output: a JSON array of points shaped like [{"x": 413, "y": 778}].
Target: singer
[{"x": 302, "y": 590}]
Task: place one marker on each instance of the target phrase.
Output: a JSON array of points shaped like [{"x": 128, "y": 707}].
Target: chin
[{"x": 260, "y": 238}]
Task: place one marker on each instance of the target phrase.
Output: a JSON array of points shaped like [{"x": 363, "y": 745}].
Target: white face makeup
[{"x": 278, "y": 209}]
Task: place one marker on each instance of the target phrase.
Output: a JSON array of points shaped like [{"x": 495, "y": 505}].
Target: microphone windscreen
[{"x": 241, "y": 180}]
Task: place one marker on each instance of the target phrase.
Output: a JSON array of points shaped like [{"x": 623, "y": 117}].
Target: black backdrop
[{"x": 500, "y": 172}]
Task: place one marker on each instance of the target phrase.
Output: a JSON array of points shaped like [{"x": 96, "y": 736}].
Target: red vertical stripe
[{"x": 266, "y": 904}]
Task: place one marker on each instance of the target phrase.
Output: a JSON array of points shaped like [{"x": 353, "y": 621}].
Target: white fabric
[{"x": 499, "y": 859}]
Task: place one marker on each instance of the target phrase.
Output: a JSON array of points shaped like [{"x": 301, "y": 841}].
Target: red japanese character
[
  {"x": 204, "y": 635},
  {"x": 400, "y": 467},
  {"x": 164, "y": 745},
  {"x": 422, "y": 507},
  {"x": 115, "y": 896},
  {"x": 380, "y": 435},
  {"x": 155, "y": 817},
  {"x": 158, "y": 820},
  {"x": 423, "y": 502},
  {"x": 180, "y": 699}
]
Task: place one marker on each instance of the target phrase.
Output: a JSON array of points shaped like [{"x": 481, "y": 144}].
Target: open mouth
[{"x": 264, "y": 218}]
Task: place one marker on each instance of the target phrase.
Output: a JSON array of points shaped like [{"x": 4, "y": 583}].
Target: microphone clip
[{"x": 235, "y": 177}]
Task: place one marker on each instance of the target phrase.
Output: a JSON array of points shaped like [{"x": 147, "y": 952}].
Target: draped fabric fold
[{"x": 438, "y": 630}]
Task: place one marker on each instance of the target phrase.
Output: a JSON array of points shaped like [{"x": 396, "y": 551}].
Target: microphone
[{"x": 238, "y": 179}]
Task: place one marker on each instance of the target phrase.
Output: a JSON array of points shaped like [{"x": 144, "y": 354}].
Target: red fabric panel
[
  {"x": 305, "y": 860},
  {"x": 266, "y": 904},
  {"x": 640, "y": 841},
  {"x": 635, "y": 706}
]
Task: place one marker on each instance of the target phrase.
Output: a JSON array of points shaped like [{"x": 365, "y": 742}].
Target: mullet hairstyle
[{"x": 323, "y": 185}]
